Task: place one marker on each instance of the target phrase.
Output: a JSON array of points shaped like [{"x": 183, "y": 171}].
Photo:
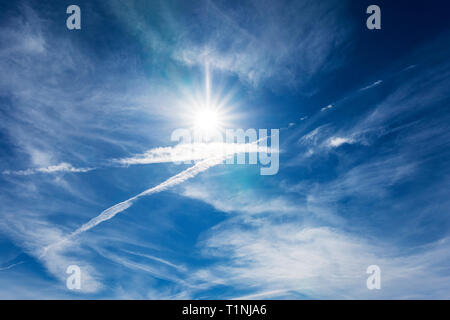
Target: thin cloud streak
[
  {"x": 11, "y": 266},
  {"x": 170, "y": 264},
  {"x": 179, "y": 153},
  {"x": 189, "y": 152},
  {"x": 326, "y": 108},
  {"x": 62, "y": 167},
  {"x": 376, "y": 83}
]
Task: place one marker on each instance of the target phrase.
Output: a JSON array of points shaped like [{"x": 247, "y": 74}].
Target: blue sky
[{"x": 363, "y": 165}]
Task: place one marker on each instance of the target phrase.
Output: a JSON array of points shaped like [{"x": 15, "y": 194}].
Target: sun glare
[
  {"x": 206, "y": 120},
  {"x": 206, "y": 112}
]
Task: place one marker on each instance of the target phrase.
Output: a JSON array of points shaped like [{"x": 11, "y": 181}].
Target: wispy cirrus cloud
[
  {"x": 289, "y": 261},
  {"x": 311, "y": 231},
  {"x": 326, "y": 108},
  {"x": 230, "y": 202},
  {"x": 376, "y": 83},
  {"x": 304, "y": 249},
  {"x": 363, "y": 212},
  {"x": 62, "y": 167},
  {"x": 276, "y": 46},
  {"x": 32, "y": 234},
  {"x": 338, "y": 141},
  {"x": 183, "y": 152}
]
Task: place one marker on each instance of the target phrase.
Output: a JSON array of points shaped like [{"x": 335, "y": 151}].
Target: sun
[
  {"x": 206, "y": 120},
  {"x": 207, "y": 113}
]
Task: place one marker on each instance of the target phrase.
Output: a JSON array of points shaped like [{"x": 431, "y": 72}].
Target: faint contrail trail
[
  {"x": 11, "y": 266},
  {"x": 112, "y": 211}
]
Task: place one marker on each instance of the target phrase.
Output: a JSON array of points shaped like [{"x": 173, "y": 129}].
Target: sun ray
[{"x": 206, "y": 108}]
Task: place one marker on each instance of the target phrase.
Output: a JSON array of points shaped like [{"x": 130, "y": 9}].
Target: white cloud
[
  {"x": 33, "y": 233},
  {"x": 62, "y": 167},
  {"x": 157, "y": 271},
  {"x": 327, "y": 107},
  {"x": 227, "y": 201},
  {"x": 321, "y": 262},
  {"x": 192, "y": 151},
  {"x": 337, "y": 141},
  {"x": 376, "y": 83},
  {"x": 268, "y": 47}
]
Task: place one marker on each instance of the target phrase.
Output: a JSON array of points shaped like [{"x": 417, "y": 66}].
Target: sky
[{"x": 86, "y": 176}]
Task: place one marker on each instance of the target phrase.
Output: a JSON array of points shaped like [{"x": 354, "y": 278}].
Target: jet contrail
[
  {"x": 172, "y": 181},
  {"x": 177, "y": 179},
  {"x": 112, "y": 211}
]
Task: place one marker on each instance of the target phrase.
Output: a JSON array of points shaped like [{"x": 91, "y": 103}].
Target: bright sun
[
  {"x": 206, "y": 120},
  {"x": 208, "y": 114}
]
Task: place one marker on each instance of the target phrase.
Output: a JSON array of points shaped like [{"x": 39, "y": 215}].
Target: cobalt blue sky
[{"x": 364, "y": 149}]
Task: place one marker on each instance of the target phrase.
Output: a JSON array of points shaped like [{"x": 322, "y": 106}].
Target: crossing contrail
[
  {"x": 172, "y": 181},
  {"x": 122, "y": 206}
]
